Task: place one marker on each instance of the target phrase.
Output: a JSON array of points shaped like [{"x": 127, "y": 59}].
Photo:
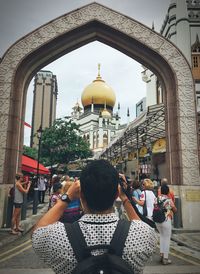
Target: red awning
[{"x": 30, "y": 165}]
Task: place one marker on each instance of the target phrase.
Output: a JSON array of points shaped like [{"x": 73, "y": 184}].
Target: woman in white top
[{"x": 147, "y": 196}]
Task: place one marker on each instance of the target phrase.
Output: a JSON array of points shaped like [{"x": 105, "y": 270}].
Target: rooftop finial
[
  {"x": 128, "y": 113},
  {"x": 99, "y": 67},
  {"x": 197, "y": 38},
  {"x": 153, "y": 28}
]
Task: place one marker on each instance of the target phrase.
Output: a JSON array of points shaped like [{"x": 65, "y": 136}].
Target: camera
[{"x": 122, "y": 184}]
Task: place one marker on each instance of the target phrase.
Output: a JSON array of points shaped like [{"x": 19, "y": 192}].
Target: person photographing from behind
[{"x": 98, "y": 188}]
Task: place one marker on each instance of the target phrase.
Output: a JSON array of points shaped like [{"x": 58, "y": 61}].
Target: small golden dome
[
  {"x": 98, "y": 92},
  {"x": 105, "y": 114}
]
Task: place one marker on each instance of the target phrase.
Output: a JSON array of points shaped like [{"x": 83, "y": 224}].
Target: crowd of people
[
  {"x": 91, "y": 202},
  {"x": 145, "y": 200},
  {"x": 49, "y": 189}
]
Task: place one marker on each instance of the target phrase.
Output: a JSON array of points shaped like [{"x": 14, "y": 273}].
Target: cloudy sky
[{"x": 77, "y": 69}]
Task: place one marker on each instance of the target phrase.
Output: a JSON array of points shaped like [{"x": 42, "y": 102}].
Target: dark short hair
[
  {"x": 136, "y": 184},
  {"x": 57, "y": 186},
  {"x": 99, "y": 184},
  {"x": 164, "y": 189},
  {"x": 18, "y": 176}
]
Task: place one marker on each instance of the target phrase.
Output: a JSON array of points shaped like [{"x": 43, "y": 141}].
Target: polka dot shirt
[{"x": 53, "y": 247}]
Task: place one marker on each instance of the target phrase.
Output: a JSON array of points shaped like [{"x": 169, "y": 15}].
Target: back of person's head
[
  {"x": 164, "y": 189},
  {"x": 63, "y": 178},
  {"x": 148, "y": 184},
  {"x": 136, "y": 184},
  {"x": 99, "y": 184},
  {"x": 57, "y": 186},
  {"x": 55, "y": 179},
  {"x": 164, "y": 181}
]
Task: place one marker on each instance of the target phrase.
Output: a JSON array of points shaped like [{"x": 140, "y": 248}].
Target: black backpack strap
[
  {"x": 79, "y": 245},
  {"x": 119, "y": 237},
  {"x": 77, "y": 240}
]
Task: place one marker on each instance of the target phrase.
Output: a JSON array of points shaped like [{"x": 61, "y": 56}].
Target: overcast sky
[{"x": 77, "y": 69}]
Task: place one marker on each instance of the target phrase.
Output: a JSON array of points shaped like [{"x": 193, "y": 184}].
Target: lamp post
[
  {"x": 35, "y": 199},
  {"x": 137, "y": 144}
]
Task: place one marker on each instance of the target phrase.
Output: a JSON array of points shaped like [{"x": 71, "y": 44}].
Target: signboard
[
  {"x": 159, "y": 146},
  {"x": 143, "y": 151},
  {"x": 131, "y": 155},
  {"x": 192, "y": 195}
]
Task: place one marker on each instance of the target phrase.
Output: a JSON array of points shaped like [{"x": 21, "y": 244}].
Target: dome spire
[
  {"x": 99, "y": 68},
  {"x": 105, "y": 104},
  {"x": 99, "y": 75}
]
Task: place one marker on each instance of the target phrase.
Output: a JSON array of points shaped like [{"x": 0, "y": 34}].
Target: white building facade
[{"x": 182, "y": 27}]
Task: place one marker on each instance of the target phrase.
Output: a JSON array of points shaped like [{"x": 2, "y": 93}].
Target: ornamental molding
[{"x": 133, "y": 29}]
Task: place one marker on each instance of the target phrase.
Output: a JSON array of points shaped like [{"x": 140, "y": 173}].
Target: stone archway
[{"x": 71, "y": 31}]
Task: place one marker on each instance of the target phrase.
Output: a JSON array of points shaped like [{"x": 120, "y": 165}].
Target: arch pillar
[{"x": 77, "y": 28}]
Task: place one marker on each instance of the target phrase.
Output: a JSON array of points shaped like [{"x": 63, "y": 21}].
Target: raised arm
[
  {"x": 139, "y": 202},
  {"x": 23, "y": 189},
  {"x": 54, "y": 214},
  {"x": 132, "y": 215}
]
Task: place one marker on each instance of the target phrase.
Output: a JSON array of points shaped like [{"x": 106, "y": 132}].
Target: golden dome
[
  {"x": 98, "y": 92},
  {"x": 105, "y": 114}
]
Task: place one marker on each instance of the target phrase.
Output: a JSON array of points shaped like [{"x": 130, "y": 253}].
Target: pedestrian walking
[
  {"x": 147, "y": 198},
  {"x": 98, "y": 188},
  {"x": 20, "y": 188},
  {"x": 57, "y": 190},
  {"x": 41, "y": 189},
  {"x": 170, "y": 195},
  {"x": 65, "y": 180},
  {"x": 165, "y": 227},
  {"x": 137, "y": 194}
]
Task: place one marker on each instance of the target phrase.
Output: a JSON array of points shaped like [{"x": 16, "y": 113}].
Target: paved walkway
[
  {"x": 148, "y": 270},
  {"x": 6, "y": 237},
  {"x": 187, "y": 244},
  {"x": 184, "y": 243}
]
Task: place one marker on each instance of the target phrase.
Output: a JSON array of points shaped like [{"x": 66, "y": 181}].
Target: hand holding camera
[{"x": 123, "y": 182}]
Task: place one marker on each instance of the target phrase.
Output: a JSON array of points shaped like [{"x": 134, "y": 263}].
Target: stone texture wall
[{"x": 180, "y": 106}]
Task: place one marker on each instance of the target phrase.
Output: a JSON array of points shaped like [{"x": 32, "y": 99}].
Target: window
[
  {"x": 105, "y": 140},
  {"x": 195, "y": 61},
  {"x": 198, "y": 100},
  {"x": 196, "y": 66}
]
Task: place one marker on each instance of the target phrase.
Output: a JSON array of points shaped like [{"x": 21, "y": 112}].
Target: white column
[
  {"x": 100, "y": 132},
  {"x": 91, "y": 137}
]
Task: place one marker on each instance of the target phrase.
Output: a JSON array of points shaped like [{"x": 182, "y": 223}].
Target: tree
[
  {"x": 30, "y": 151},
  {"x": 62, "y": 143}
]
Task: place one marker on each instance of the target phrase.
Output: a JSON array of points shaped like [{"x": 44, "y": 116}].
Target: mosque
[{"x": 98, "y": 123}]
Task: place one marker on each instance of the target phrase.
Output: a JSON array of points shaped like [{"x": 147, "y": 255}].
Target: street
[{"x": 19, "y": 257}]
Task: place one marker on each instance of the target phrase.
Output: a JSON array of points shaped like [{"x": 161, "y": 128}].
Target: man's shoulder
[
  {"x": 50, "y": 229},
  {"x": 140, "y": 228},
  {"x": 141, "y": 234}
]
